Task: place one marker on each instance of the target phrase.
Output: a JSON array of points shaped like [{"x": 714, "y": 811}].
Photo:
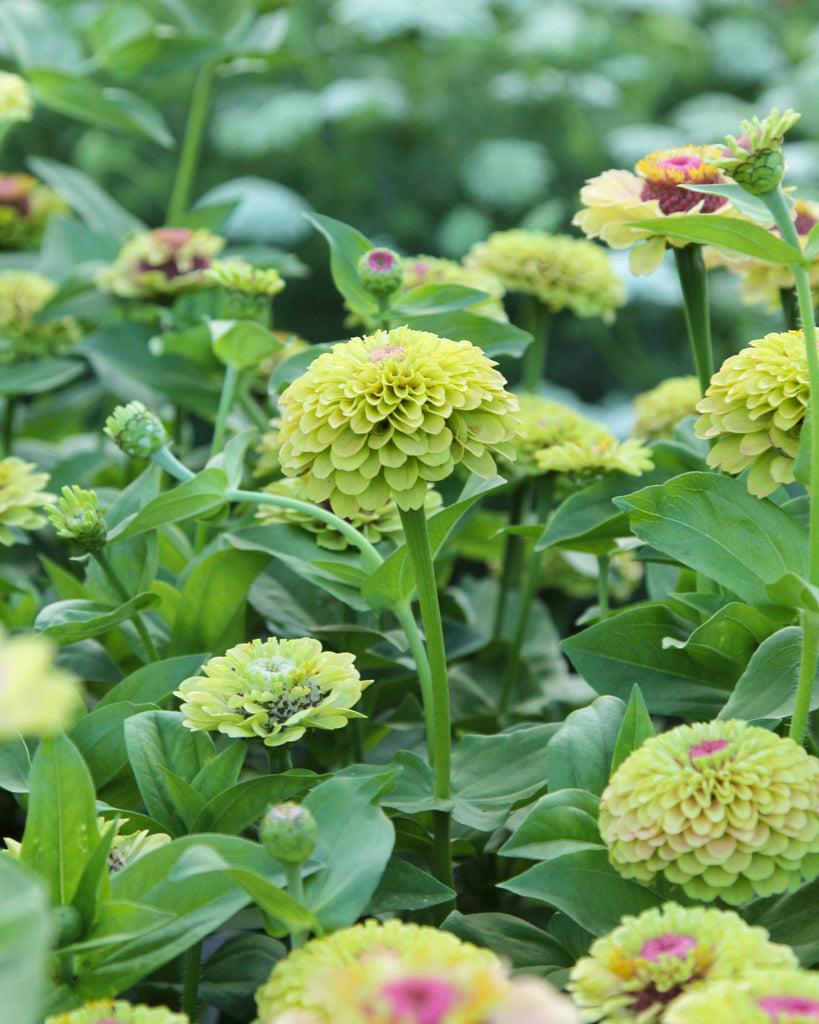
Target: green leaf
[
  {"x": 151, "y": 683},
  {"x": 727, "y": 233},
  {"x": 635, "y": 729},
  {"x": 711, "y": 524},
  {"x": 525, "y": 946},
  {"x": 94, "y": 878},
  {"x": 26, "y": 932},
  {"x": 32, "y": 378},
  {"x": 559, "y": 823},
  {"x": 189, "y": 500},
  {"x": 493, "y": 336},
  {"x": 61, "y": 826},
  {"x": 242, "y": 343},
  {"x": 220, "y": 773},
  {"x": 347, "y": 246},
  {"x": 37, "y": 36},
  {"x": 742, "y": 201},
  {"x": 790, "y": 919},
  {"x": 584, "y": 885},
  {"x": 70, "y": 621},
  {"x": 100, "y": 738},
  {"x": 437, "y": 298},
  {"x": 232, "y": 810},
  {"x": 812, "y": 243},
  {"x": 293, "y": 367},
  {"x": 403, "y": 886},
  {"x": 792, "y": 591},
  {"x": 580, "y": 753},
  {"x": 233, "y": 972},
  {"x": 15, "y": 765}
]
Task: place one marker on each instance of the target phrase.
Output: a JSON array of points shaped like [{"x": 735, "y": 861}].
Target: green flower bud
[
  {"x": 381, "y": 271},
  {"x": 239, "y": 276},
  {"x": 77, "y": 517},
  {"x": 288, "y": 832},
  {"x": 755, "y": 160},
  {"x": 69, "y": 925},
  {"x": 136, "y": 430}
]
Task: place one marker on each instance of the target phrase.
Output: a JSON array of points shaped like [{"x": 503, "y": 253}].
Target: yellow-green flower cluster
[
  {"x": 545, "y": 423},
  {"x": 35, "y": 696},
  {"x": 76, "y": 517},
  {"x": 274, "y": 690},
  {"x": 381, "y": 523},
  {"x": 118, "y": 1011},
  {"x": 766, "y": 997},
  {"x": 420, "y": 270},
  {"x": 16, "y": 103},
  {"x": 722, "y": 808},
  {"x": 240, "y": 276},
  {"x": 386, "y": 973},
  {"x": 755, "y": 405},
  {"x": 26, "y": 205},
  {"x": 19, "y": 494},
  {"x": 384, "y": 415},
  {"x": 593, "y": 457},
  {"x": 161, "y": 264},
  {"x": 658, "y": 411},
  {"x": 560, "y": 271},
  {"x": 23, "y": 294},
  {"x": 639, "y": 970}
]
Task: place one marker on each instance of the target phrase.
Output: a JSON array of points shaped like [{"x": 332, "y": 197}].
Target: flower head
[
  {"x": 763, "y": 997},
  {"x": 273, "y": 689},
  {"x": 616, "y": 198},
  {"x": 118, "y": 1011},
  {"x": 381, "y": 416},
  {"x": 19, "y": 494},
  {"x": 560, "y": 271},
  {"x": 288, "y": 832},
  {"x": 722, "y": 808},
  {"x": 380, "y": 271},
  {"x": 641, "y": 967},
  {"x": 137, "y": 431},
  {"x": 755, "y": 159},
  {"x": 544, "y": 423},
  {"x": 76, "y": 516},
  {"x": 161, "y": 264},
  {"x": 658, "y": 411},
  {"x": 130, "y": 846},
  {"x": 26, "y": 205},
  {"x": 590, "y": 456},
  {"x": 23, "y": 294},
  {"x": 238, "y": 275},
  {"x": 35, "y": 696},
  {"x": 16, "y": 103},
  {"x": 421, "y": 270},
  {"x": 755, "y": 405}
]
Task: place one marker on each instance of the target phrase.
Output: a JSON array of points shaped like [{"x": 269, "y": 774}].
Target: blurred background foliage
[{"x": 427, "y": 124}]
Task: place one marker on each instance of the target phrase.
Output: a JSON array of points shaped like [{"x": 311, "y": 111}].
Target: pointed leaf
[
  {"x": 579, "y": 755},
  {"x": 726, "y": 233},
  {"x": 189, "y": 500},
  {"x": 635, "y": 729}
]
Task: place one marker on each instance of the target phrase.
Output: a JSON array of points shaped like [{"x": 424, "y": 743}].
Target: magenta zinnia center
[
  {"x": 684, "y": 163},
  {"x": 667, "y": 945},
  {"x": 380, "y": 259},
  {"x": 706, "y": 747},
  {"x": 420, "y": 1000},
  {"x": 783, "y": 1008}
]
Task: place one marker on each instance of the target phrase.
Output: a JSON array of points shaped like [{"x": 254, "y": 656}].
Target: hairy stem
[{"x": 296, "y": 890}]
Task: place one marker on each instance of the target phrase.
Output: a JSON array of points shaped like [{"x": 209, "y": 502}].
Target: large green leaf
[
  {"x": 495, "y": 337},
  {"x": 70, "y": 621},
  {"x": 232, "y": 810},
  {"x": 580, "y": 753},
  {"x": 791, "y": 919},
  {"x": 242, "y": 343},
  {"x": 726, "y": 233},
  {"x": 100, "y": 738},
  {"x": 403, "y": 886},
  {"x": 149, "y": 684},
  {"x": 205, "y": 492},
  {"x": 347, "y": 246},
  {"x": 31, "y": 378},
  {"x": 26, "y": 931},
  {"x": 524, "y": 945},
  {"x": 559, "y": 823}
]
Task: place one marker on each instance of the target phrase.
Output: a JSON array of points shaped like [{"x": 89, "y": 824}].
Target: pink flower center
[
  {"x": 380, "y": 259},
  {"x": 419, "y": 1000},
  {"x": 667, "y": 945},
  {"x": 684, "y": 162},
  {"x": 387, "y": 352},
  {"x": 783, "y": 1008},
  {"x": 706, "y": 747},
  {"x": 174, "y": 237}
]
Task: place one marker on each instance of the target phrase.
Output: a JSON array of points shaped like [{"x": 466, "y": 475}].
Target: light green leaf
[
  {"x": 635, "y": 729},
  {"x": 347, "y": 246},
  {"x": 189, "y": 500},
  {"x": 70, "y": 621},
  {"x": 32, "y": 378},
  {"x": 558, "y": 823},
  {"x": 26, "y": 931},
  {"x": 242, "y": 343},
  {"x": 580, "y": 753},
  {"x": 727, "y": 233}
]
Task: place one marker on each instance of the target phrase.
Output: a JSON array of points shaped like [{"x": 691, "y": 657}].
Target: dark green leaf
[
  {"x": 69, "y": 621},
  {"x": 149, "y": 684},
  {"x": 234, "y": 809},
  {"x": 406, "y": 887},
  {"x": 525, "y": 946},
  {"x": 99, "y": 211},
  {"x": 558, "y": 823},
  {"x": 100, "y": 738},
  {"x": 189, "y": 500},
  {"x": 635, "y": 729},
  {"x": 726, "y": 233},
  {"x": 580, "y": 753},
  {"x": 31, "y": 378},
  {"x": 26, "y": 931}
]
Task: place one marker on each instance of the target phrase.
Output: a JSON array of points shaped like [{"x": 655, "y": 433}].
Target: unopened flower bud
[
  {"x": 239, "y": 276},
  {"x": 380, "y": 271},
  {"x": 288, "y": 832},
  {"x": 76, "y": 517},
  {"x": 136, "y": 430},
  {"x": 755, "y": 159}
]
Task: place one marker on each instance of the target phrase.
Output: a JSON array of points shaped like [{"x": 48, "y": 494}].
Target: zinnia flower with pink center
[
  {"x": 118, "y": 1011},
  {"x": 765, "y": 997}
]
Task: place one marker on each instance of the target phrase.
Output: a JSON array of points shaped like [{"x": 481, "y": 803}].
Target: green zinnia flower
[
  {"x": 545, "y": 423},
  {"x": 35, "y": 697},
  {"x": 658, "y": 411},
  {"x": 638, "y": 970},
  {"x": 593, "y": 456},
  {"x": 23, "y": 294},
  {"x": 755, "y": 159},
  {"x": 381, "y": 416},
  {"x": 19, "y": 494},
  {"x": 161, "y": 264},
  {"x": 756, "y": 404},
  {"x": 560, "y": 271},
  {"x": 722, "y": 808},
  {"x": 274, "y": 690},
  {"x": 766, "y": 997},
  {"x": 26, "y": 206},
  {"x": 118, "y": 1011}
]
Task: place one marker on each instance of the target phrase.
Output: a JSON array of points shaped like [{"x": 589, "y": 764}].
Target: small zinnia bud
[
  {"x": 69, "y": 924},
  {"x": 722, "y": 808},
  {"x": 16, "y": 103},
  {"x": 76, "y": 516},
  {"x": 118, "y": 1011},
  {"x": 755, "y": 159},
  {"x": 764, "y": 997},
  {"x": 239, "y": 276},
  {"x": 137, "y": 431},
  {"x": 380, "y": 271},
  {"x": 19, "y": 494},
  {"x": 288, "y": 832}
]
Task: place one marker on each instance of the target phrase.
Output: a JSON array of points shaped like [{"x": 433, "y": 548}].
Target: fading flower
[
  {"x": 421, "y": 270},
  {"x": 26, "y": 206},
  {"x": 722, "y": 808},
  {"x": 638, "y": 970},
  {"x": 16, "y": 103},
  {"x": 274, "y": 690},
  {"x": 130, "y": 846},
  {"x": 560, "y": 271},
  {"x": 36, "y": 698},
  {"x": 755, "y": 404},
  {"x": 118, "y": 1011},
  {"x": 161, "y": 264},
  {"x": 23, "y": 295},
  {"x": 764, "y": 997},
  {"x": 20, "y": 494},
  {"x": 658, "y": 411},
  {"x": 384, "y": 415},
  {"x": 616, "y": 198}
]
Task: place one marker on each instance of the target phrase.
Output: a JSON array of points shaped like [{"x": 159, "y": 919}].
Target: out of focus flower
[
  {"x": 288, "y": 832},
  {"x": 755, "y": 159},
  {"x": 76, "y": 517},
  {"x": 19, "y": 494},
  {"x": 23, "y": 295},
  {"x": 420, "y": 270},
  {"x": 118, "y": 1011},
  {"x": 26, "y": 205},
  {"x": 376, "y": 525},
  {"x": 240, "y": 276},
  {"x": 124, "y": 849},
  {"x": 161, "y": 264},
  {"x": 764, "y": 997},
  {"x": 638, "y": 970},
  {"x": 16, "y": 103},
  {"x": 35, "y": 697},
  {"x": 380, "y": 271},
  {"x": 560, "y": 271},
  {"x": 590, "y": 457},
  {"x": 658, "y": 411},
  {"x": 722, "y": 808},
  {"x": 615, "y": 198},
  {"x": 755, "y": 405},
  {"x": 410, "y": 973},
  {"x": 381, "y": 416},
  {"x": 544, "y": 423},
  {"x": 136, "y": 430},
  {"x": 274, "y": 690}
]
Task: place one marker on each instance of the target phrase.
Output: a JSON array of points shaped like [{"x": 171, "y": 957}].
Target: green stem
[
  {"x": 254, "y": 410},
  {"x": 603, "y": 585},
  {"x": 521, "y": 501},
  {"x": 534, "y": 358},
  {"x": 230, "y": 383},
  {"x": 384, "y": 311},
  {"x": 790, "y": 308},
  {"x": 516, "y": 650},
  {"x": 694, "y": 282},
  {"x": 295, "y": 889},
  {"x": 7, "y": 425},
  {"x": 102, "y": 561},
  {"x": 191, "y": 144},
  {"x": 279, "y": 759},
  {"x": 406, "y": 620},
  {"x": 192, "y": 961}
]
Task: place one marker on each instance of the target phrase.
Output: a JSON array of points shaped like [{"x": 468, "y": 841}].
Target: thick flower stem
[
  {"x": 7, "y": 425},
  {"x": 229, "y": 385},
  {"x": 102, "y": 561},
  {"x": 534, "y": 358},
  {"x": 532, "y": 562},
  {"x": 603, "y": 585},
  {"x": 191, "y": 144},
  {"x": 694, "y": 283},
  {"x": 191, "y": 964},
  {"x": 513, "y": 552},
  {"x": 296, "y": 890}
]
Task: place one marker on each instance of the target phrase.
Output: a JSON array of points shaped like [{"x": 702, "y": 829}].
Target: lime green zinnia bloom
[
  {"x": 23, "y": 294},
  {"x": 591, "y": 457},
  {"x": 26, "y": 205},
  {"x": 545, "y": 423},
  {"x": 273, "y": 689},
  {"x": 118, "y": 1011},
  {"x": 756, "y": 405},
  {"x": 76, "y": 517},
  {"x": 560, "y": 271},
  {"x": 638, "y": 970},
  {"x": 35, "y": 697},
  {"x": 658, "y": 411},
  {"x": 19, "y": 494},
  {"x": 381, "y": 416},
  {"x": 722, "y": 808},
  {"x": 766, "y": 997},
  {"x": 16, "y": 103},
  {"x": 161, "y": 264}
]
